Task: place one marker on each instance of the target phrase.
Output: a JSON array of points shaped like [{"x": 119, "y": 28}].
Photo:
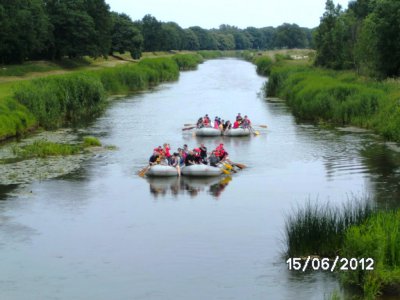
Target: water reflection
[{"x": 161, "y": 187}]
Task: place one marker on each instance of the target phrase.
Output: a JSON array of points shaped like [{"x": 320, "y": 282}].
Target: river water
[{"x": 105, "y": 233}]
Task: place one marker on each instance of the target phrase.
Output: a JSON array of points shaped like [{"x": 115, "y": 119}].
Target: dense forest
[
  {"x": 364, "y": 37},
  {"x": 53, "y": 29}
]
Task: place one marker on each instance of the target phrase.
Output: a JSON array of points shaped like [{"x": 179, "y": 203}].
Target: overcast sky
[{"x": 212, "y": 13}]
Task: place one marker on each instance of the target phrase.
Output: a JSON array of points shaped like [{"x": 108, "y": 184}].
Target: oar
[
  {"x": 189, "y": 124},
  {"x": 240, "y": 166},
  {"x": 262, "y": 126},
  {"x": 188, "y": 128},
  {"x": 143, "y": 171},
  {"x": 255, "y": 132}
]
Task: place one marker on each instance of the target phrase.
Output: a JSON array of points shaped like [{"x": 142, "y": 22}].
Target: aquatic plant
[
  {"x": 91, "y": 141},
  {"x": 43, "y": 148},
  {"x": 378, "y": 238},
  {"x": 187, "y": 61},
  {"x": 319, "y": 229},
  {"x": 264, "y": 65}
]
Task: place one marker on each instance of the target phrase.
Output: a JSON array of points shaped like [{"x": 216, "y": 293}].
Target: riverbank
[
  {"x": 54, "y": 101},
  {"x": 338, "y": 98},
  {"x": 366, "y": 239}
]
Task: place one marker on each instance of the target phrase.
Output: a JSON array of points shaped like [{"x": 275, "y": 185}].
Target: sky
[{"x": 212, "y": 13}]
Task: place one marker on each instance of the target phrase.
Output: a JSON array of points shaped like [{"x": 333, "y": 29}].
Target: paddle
[
  {"x": 143, "y": 171},
  {"x": 188, "y": 128},
  {"x": 262, "y": 126},
  {"x": 189, "y": 124},
  {"x": 240, "y": 166},
  {"x": 255, "y": 132}
]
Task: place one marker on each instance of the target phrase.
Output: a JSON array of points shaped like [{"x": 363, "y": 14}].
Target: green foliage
[
  {"x": 59, "y": 100},
  {"x": 338, "y": 97},
  {"x": 210, "y": 54},
  {"x": 377, "y": 238},
  {"x": 187, "y": 61},
  {"x": 14, "y": 118},
  {"x": 28, "y": 67},
  {"x": 290, "y": 36},
  {"x": 43, "y": 148},
  {"x": 264, "y": 65},
  {"x": 320, "y": 229},
  {"x": 25, "y": 29},
  {"x": 80, "y": 27},
  {"x": 91, "y": 141}
]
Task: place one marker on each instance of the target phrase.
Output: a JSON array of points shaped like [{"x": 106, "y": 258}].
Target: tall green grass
[
  {"x": 317, "y": 229},
  {"x": 338, "y": 97},
  {"x": 264, "y": 65},
  {"x": 377, "y": 238},
  {"x": 187, "y": 61},
  {"x": 68, "y": 99},
  {"x": 65, "y": 99}
]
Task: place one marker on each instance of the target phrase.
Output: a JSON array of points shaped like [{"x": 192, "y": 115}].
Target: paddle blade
[
  {"x": 226, "y": 172},
  {"x": 240, "y": 166},
  {"x": 188, "y": 128},
  {"x": 189, "y": 124},
  {"x": 263, "y": 126},
  {"x": 143, "y": 171}
]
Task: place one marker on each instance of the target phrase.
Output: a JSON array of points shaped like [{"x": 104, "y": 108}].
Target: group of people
[
  {"x": 241, "y": 122},
  {"x": 186, "y": 157}
]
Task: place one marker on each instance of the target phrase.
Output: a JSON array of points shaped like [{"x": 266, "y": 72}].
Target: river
[{"x": 103, "y": 232}]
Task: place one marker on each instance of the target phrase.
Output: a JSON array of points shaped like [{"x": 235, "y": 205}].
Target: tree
[
  {"x": 191, "y": 40},
  {"x": 24, "y": 30},
  {"x": 152, "y": 33},
  {"x": 206, "y": 40},
  {"x": 328, "y": 40},
  {"x": 290, "y": 36},
  {"x": 126, "y": 36},
  {"x": 75, "y": 31}
]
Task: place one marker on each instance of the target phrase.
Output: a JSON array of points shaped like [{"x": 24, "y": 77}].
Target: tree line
[
  {"x": 53, "y": 29},
  {"x": 364, "y": 37}
]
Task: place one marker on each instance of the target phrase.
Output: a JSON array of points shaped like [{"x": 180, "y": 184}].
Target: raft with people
[
  {"x": 193, "y": 163},
  {"x": 241, "y": 127}
]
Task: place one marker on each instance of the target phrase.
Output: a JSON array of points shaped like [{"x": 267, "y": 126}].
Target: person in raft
[
  {"x": 221, "y": 153},
  {"x": 206, "y": 121},
  {"x": 239, "y": 117},
  {"x": 216, "y": 123},
  {"x": 155, "y": 158},
  {"x": 203, "y": 153},
  {"x": 246, "y": 122},
  {"x": 190, "y": 159},
  {"x": 174, "y": 161},
  {"x": 166, "y": 150},
  {"x": 200, "y": 123}
]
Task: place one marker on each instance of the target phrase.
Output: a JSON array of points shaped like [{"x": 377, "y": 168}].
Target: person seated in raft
[
  {"x": 182, "y": 156},
  {"x": 221, "y": 125},
  {"x": 197, "y": 157},
  {"x": 221, "y": 153},
  {"x": 216, "y": 123},
  {"x": 166, "y": 149},
  {"x": 239, "y": 117},
  {"x": 236, "y": 124},
  {"x": 206, "y": 121},
  {"x": 185, "y": 149},
  {"x": 246, "y": 122},
  {"x": 190, "y": 159},
  {"x": 203, "y": 153},
  {"x": 213, "y": 159},
  {"x": 227, "y": 125},
  {"x": 200, "y": 123},
  {"x": 175, "y": 162},
  {"x": 155, "y": 158}
]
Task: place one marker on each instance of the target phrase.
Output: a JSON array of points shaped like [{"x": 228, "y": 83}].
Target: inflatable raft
[
  {"x": 201, "y": 171},
  {"x": 207, "y": 131},
  {"x": 162, "y": 171},
  {"x": 238, "y": 132}
]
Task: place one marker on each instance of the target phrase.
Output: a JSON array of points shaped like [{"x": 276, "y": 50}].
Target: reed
[
  {"x": 340, "y": 98},
  {"x": 264, "y": 65},
  {"x": 377, "y": 238},
  {"x": 319, "y": 229},
  {"x": 43, "y": 148},
  {"x": 91, "y": 141},
  {"x": 188, "y": 61}
]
